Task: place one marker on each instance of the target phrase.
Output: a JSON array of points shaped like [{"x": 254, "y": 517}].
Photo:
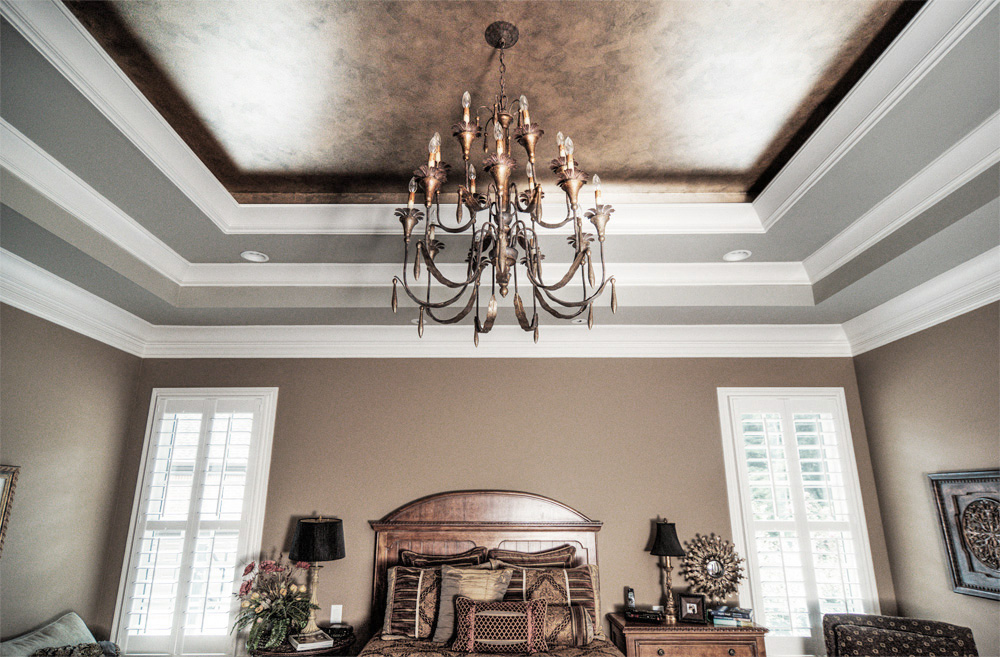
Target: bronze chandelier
[{"x": 509, "y": 237}]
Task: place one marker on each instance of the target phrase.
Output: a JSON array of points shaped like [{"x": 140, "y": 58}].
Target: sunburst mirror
[{"x": 712, "y": 567}]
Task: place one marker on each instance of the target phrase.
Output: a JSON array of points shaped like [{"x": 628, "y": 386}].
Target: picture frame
[
  {"x": 691, "y": 608},
  {"x": 968, "y": 508},
  {"x": 8, "y": 480}
]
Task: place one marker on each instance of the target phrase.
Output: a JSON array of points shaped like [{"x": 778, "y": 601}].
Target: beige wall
[
  {"x": 931, "y": 405},
  {"x": 66, "y": 404},
  {"x": 619, "y": 440}
]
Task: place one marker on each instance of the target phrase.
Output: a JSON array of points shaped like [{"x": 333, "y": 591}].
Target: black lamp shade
[
  {"x": 666, "y": 543},
  {"x": 318, "y": 539}
]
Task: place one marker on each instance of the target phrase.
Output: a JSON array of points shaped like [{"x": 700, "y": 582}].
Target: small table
[
  {"x": 686, "y": 639},
  {"x": 341, "y": 646}
]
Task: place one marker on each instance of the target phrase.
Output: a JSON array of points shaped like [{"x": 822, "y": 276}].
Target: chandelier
[{"x": 506, "y": 244}]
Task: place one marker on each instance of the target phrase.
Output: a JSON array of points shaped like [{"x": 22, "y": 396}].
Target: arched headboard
[{"x": 453, "y": 522}]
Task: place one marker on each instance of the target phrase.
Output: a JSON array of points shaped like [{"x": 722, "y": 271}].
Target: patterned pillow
[
  {"x": 568, "y": 625},
  {"x": 861, "y": 640},
  {"x": 473, "y": 557},
  {"x": 479, "y": 585},
  {"x": 560, "y": 586},
  {"x": 500, "y": 627},
  {"x": 557, "y": 557},
  {"x": 79, "y": 650},
  {"x": 411, "y": 602}
]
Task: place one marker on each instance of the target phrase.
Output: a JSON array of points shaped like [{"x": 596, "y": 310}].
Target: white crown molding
[
  {"x": 962, "y": 162},
  {"x": 52, "y": 29},
  {"x": 959, "y": 290},
  {"x": 29, "y": 162},
  {"x": 930, "y": 35},
  {"x": 35, "y": 290}
]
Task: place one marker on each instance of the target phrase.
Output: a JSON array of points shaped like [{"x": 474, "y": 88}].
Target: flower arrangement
[{"x": 272, "y": 604}]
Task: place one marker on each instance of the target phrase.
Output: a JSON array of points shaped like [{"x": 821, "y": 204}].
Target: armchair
[{"x": 862, "y": 634}]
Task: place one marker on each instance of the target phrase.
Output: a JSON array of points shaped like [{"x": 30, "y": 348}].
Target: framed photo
[
  {"x": 968, "y": 506},
  {"x": 691, "y": 608},
  {"x": 8, "y": 479}
]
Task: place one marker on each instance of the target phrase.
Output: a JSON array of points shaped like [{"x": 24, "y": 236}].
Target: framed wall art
[
  {"x": 968, "y": 505},
  {"x": 8, "y": 479}
]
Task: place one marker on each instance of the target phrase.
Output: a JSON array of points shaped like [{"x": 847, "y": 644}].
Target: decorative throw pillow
[
  {"x": 411, "y": 602},
  {"x": 473, "y": 557},
  {"x": 479, "y": 585},
  {"x": 79, "y": 650},
  {"x": 499, "y": 627},
  {"x": 560, "y": 586},
  {"x": 568, "y": 625},
  {"x": 557, "y": 557}
]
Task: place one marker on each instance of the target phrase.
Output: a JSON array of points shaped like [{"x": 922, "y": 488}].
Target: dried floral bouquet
[{"x": 272, "y": 604}]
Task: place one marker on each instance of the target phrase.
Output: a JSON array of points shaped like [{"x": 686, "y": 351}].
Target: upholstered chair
[{"x": 862, "y": 634}]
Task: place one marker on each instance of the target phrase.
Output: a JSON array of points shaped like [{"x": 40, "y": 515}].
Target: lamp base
[
  {"x": 669, "y": 609},
  {"x": 313, "y": 586}
]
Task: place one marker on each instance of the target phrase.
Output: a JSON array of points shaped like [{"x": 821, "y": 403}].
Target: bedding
[
  {"x": 411, "y": 605},
  {"x": 422, "y": 648},
  {"x": 499, "y": 627},
  {"x": 479, "y": 585},
  {"x": 473, "y": 557},
  {"x": 559, "y": 586},
  {"x": 557, "y": 557}
]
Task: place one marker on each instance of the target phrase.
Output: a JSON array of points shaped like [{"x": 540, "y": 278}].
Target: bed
[{"x": 454, "y": 522}]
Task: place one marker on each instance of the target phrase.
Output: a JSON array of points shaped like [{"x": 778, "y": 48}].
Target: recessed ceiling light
[
  {"x": 415, "y": 320},
  {"x": 254, "y": 256},
  {"x": 579, "y": 320},
  {"x": 736, "y": 256}
]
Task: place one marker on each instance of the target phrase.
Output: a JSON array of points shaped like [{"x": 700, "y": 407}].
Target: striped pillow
[
  {"x": 560, "y": 586},
  {"x": 568, "y": 625},
  {"x": 473, "y": 557},
  {"x": 479, "y": 585},
  {"x": 411, "y": 605},
  {"x": 557, "y": 557},
  {"x": 499, "y": 627}
]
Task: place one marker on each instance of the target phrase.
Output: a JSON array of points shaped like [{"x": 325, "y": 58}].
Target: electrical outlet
[{"x": 336, "y": 613}]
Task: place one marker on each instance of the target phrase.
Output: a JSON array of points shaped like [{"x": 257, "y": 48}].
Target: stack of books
[
  {"x": 731, "y": 617},
  {"x": 311, "y": 641}
]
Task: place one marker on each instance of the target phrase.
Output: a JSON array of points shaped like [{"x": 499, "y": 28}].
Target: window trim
[
  {"x": 255, "y": 517},
  {"x": 737, "y": 496}
]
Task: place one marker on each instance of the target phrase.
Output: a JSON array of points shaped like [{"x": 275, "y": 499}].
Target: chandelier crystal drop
[{"x": 504, "y": 249}]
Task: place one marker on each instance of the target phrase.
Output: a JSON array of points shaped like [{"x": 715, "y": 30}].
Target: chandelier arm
[
  {"x": 428, "y": 304},
  {"x": 565, "y": 279},
  {"x": 460, "y": 315},
  {"x": 577, "y": 304},
  {"x": 560, "y": 224},
  {"x": 522, "y": 317},
  {"x": 432, "y": 268},
  {"x": 555, "y": 313}
]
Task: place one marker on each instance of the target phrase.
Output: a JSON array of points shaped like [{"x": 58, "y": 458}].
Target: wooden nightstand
[{"x": 686, "y": 639}]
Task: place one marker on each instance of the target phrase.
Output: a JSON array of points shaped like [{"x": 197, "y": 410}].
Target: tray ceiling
[{"x": 334, "y": 101}]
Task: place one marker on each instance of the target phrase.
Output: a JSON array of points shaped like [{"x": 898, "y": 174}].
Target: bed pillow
[
  {"x": 79, "y": 650},
  {"x": 411, "y": 602},
  {"x": 478, "y": 585},
  {"x": 568, "y": 625},
  {"x": 557, "y": 557},
  {"x": 473, "y": 557},
  {"x": 499, "y": 627},
  {"x": 560, "y": 586}
]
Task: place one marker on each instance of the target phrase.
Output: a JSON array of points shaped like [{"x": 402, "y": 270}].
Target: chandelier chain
[{"x": 503, "y": 69}]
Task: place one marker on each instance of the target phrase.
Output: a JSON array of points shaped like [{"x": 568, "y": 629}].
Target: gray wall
[
  {"x": 64, "y": 418},
  {"x": 931, "y": 404}
]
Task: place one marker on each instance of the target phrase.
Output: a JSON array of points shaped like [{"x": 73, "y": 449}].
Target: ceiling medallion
[{"x": 509, "y": 237}]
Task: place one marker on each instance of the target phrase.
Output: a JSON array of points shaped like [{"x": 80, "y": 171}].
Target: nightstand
[
  {"x": 341, "y": 646},
  {"x": 686, "y": 639}
]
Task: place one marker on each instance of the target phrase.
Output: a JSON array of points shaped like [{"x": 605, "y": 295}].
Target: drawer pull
[
  {"x": 732, "y": 652},
  {"x": 660, "y": 652}
]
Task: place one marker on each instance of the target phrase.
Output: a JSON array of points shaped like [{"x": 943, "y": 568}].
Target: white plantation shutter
[
  {"x": 197, "y": 516},
  {"x": 797, "y": 514}
]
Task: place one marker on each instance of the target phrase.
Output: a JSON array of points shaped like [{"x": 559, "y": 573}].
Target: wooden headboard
[{"x": 449, "y": 523}]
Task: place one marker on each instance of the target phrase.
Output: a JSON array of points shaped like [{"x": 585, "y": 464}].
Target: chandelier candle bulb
[
  {"x": 568, "y": 144},
  {"x": 413, "y": 193},
  {"x": 597, "y": 189},
  {"x": 472, "y": 178},
  {"x": 498, "y": 135},
  {"x": 561, "y": 142},
  {"x": 524, "y": 110},
  {"x": 466, "y": 102}
]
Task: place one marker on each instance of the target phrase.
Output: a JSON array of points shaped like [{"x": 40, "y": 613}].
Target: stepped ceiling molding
[{"x": 853, "y": 148}]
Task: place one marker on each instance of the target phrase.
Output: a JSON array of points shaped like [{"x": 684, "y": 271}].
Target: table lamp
[
  {"x": 316, "y": 539},
  {"x": 666, "y": 545}
]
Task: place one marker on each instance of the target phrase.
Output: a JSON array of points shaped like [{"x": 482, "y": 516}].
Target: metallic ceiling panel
[{"x": 325, "y": 101}]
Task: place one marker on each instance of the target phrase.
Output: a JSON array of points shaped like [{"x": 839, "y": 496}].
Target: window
[
  {"x": 197, "y": 515},
  {"x": 796, "y": 511}
]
